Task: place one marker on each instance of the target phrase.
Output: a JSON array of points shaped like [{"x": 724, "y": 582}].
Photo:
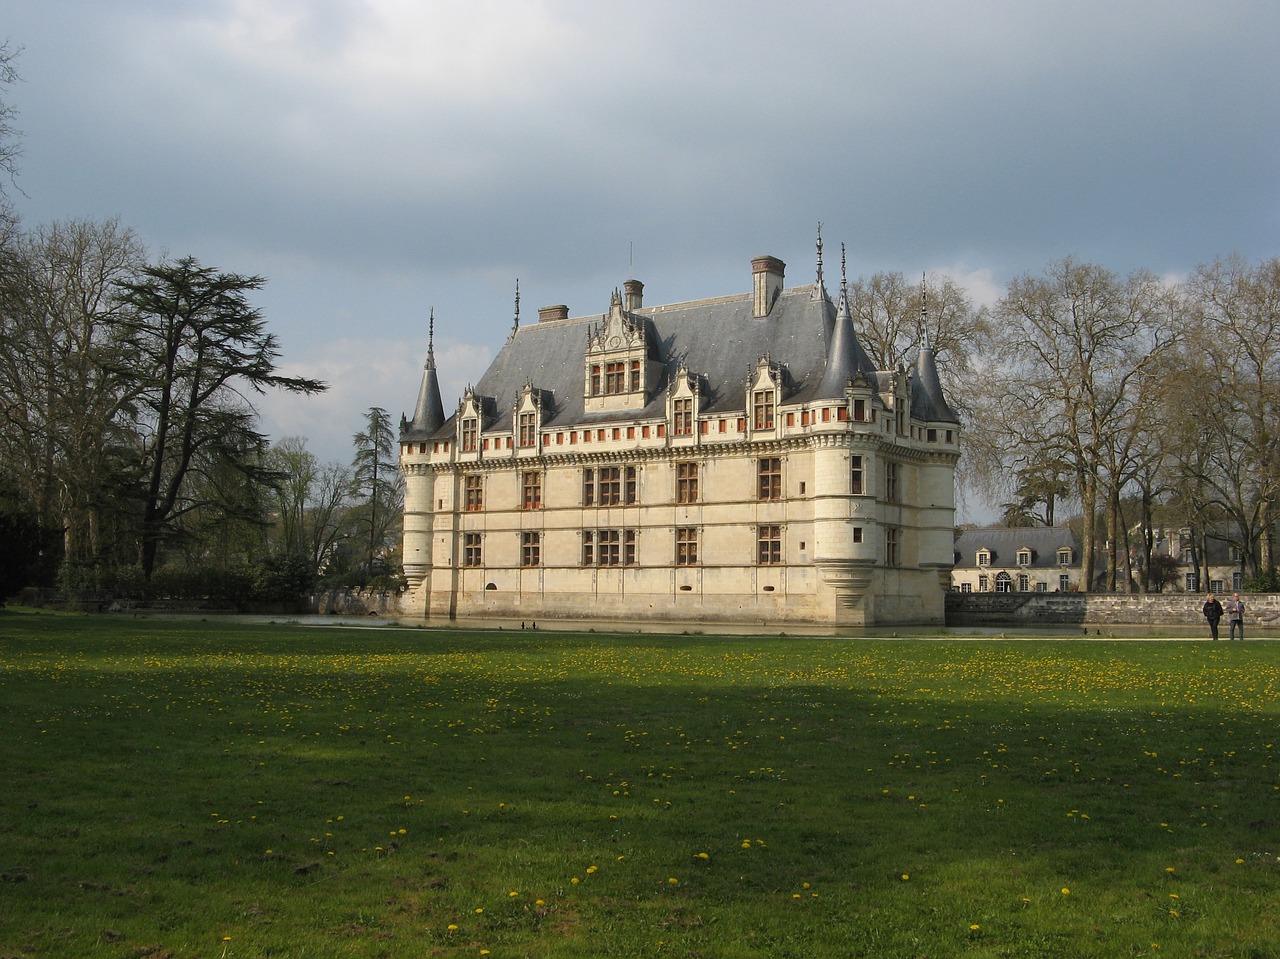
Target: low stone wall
[
  {"x": 1100, "y": 609},
  {"x": 355, "y": 602}
]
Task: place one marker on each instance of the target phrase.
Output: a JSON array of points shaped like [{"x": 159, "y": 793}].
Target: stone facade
[{"x": 732, "y": 460}]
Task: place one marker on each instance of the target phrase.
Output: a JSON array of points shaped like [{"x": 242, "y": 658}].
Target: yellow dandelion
[
  {"x": 673, "y": 881},
  {"x": 974, "y": 927},
  {"x": 1066, "y": 891},
  {"x": 906, "y": 877}
]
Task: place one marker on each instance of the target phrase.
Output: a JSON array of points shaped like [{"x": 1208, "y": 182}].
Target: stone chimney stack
[
  {"x": 557, "y": 312},
  {"x": 767, "y": 274},
  {"x": 634, "y": 299}
]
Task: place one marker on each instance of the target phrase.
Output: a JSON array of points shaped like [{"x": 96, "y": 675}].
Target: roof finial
[
  {"x": 516, "y": 325},
  {"x": 844, "y": 272},
  {"x": 924, "y": 312},
  {"x": 820, "y": 287},
  {"x": 431, "y": 334}
]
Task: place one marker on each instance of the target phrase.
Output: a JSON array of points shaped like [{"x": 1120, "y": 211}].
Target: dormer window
[
  {"x": 1024, "y": 557},
  {"x": 762, "y": 409},
  {"x": 984, "y": 557},
  {"x": 528, "y": 429},
  {"x": 682, "y": 417},
  {"x": 470, "y": 432},
  {"x": 1064, "y": 556}
]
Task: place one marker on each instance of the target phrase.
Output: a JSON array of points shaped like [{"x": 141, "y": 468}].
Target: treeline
[
  {"x": 1140, "y": 404},
  {"x": 132, "y": 458}
]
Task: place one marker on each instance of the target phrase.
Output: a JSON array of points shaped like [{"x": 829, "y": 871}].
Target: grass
[{"x": 181, "y": 788}]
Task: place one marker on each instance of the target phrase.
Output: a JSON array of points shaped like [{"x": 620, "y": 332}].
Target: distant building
[
  {"x": 1033, "y": 559},
  {"x": 1224, "y": 561},
  {"x": 728, "y": 460}
]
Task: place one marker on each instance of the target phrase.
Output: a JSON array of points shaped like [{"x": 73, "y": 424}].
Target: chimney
[
  {"x": 767, "y": 276},
  {"x": 557, "y": 312},
  {"x": 634, "y": 291}
]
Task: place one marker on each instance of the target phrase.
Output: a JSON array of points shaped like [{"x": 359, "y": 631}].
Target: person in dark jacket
[{"x": 1213, "y": 613}]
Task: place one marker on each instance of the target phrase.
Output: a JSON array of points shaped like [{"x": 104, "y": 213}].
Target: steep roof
[
  {"x": 717, "y": 340},
  {"x": 428, "y": 412},
  {"x": 928, "y": 403}
]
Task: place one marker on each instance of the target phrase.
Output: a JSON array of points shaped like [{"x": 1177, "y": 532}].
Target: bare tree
[{"x": 1075, "y": 346}]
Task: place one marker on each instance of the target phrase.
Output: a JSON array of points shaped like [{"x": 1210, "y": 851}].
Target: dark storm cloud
[{"x": 377, "y": 159}]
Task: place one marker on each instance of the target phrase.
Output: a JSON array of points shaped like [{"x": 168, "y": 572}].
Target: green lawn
[{"x": 184, "y": 788}]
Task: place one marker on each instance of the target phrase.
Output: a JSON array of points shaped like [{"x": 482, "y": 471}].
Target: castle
[{"x": 728, "y": 460}]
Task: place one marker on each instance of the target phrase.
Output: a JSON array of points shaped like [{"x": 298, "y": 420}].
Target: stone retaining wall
[{"x": 1079, "y": 609}]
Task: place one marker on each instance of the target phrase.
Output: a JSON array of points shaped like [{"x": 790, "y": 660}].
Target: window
[
  {"x": 891, "y": 557},
  {"x": 770, "y": 475},
  {"x": 595, "y": 379},
  {"x": 1024, "y": 558},
  {"x": 857, "y": 534},
  {"x": 856, "y": 475},
  {"x": 686, "y": 546},
  {"x": 530, "y": 490},
  {"x": 1003, "y": 583},
  {"x": 1189, "y": 583},
  {"x": 614, "y": 378},
  {"x": 471, "y": 550},
  {"x": 966, "y": 587},
  {"x": 1023, "y": 582},
  {"x": 528, "y": 429},
  {"x": 469, "y": 434},
  {"x": 635, "y": 376},
  {"x": 1064, "y": 557},
  {"x": 984, "y": 557},
  {"x": 984, "y": 583},
  {"x": 860, "y": 410},
  {"x": 609, "y": 486},
  {"x": 1042, "y": 587},
  {"x": 473, "y": 488},
  {"x": 1064, "y": 583},
  {"x": 686, "y": 482},
  {"x": 682, "y": 417},
  {"x": 762, "y": 409},
  {"x": 608, "y": 547},
  {"x": 891, "y": 482},
  {"x": 530, "y": 548},
  {"x": 769, "y": 545}
]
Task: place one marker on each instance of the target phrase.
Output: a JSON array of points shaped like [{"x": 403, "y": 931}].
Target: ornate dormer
[
  {"x": 527, "y": 417},
  {"x": 618, "y": 373},
  {"x": 684, "y": 400},
  {"x": 763, "y": 395},
  {"x": 471, "y": 422}
]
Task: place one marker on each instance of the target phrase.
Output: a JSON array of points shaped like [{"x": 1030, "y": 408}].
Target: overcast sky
[{"x": 375, "y": 159}]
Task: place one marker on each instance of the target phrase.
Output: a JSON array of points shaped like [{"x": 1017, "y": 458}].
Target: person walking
[
  {"x": 1235, "y": 615},
  {"x": 1213, "y": 613}
]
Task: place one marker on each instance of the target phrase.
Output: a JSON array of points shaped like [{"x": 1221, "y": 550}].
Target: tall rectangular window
[
  {"x": 860, "y": 410},
  {"x": 686, "y": 483},
  {"x": 686, "y": 546},
  {"x": 528, "y": 429},
  {"x": 531, "y": 489},
  {"x": 891, "y": 557},
  {"x": 470, "y": 433},
  {"x": 856, "y": 476},
  {"x": 530, "y": 548},
  {"x": 615, "y": 378},
  {"x": 635, "y": 376},
  {"x": 769, "y": 545},
  {"x": 595, "y": 379},
  {"x": 473, "y": 489},
  {"x": 762, "y": 409},
  {"x": 770, "y": 476},
  {"x": 471, "y": 550},
  {"x": 891, "y": 482},
  {"x": 682, "y": 417}
]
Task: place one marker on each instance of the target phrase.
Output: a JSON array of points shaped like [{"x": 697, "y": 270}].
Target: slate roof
[
  {"x": 1004, "y": 543},
  {"x": 718, "y": 340}
]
